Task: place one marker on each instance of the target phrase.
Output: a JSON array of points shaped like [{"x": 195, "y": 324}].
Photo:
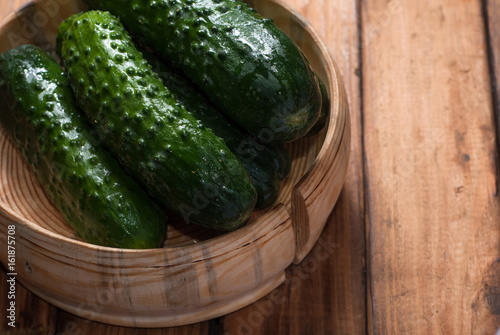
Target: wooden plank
[
  {"x": 493, "y": 33},
  {"x": 70, "y": 324},
  {"x": 326, "y": 293},
  {"x": 491, "y": 280},
  {"x": 41, "y": 322},
  {"x": 431, "y": 167}
]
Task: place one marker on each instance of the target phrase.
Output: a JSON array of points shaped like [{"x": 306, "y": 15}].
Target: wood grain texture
[
  {"x": 69, "y": 324},
  {"x": 492, "y": 15},
  {"x": 431, "y": 168},
  {"x": 41, "y": 322}
]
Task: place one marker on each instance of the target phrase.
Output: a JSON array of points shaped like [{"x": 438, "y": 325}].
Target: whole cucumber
[
  {"x": 95, "y": 196},
  {"x": 243, "y": 61},
  {"x": 183, "y": 165},
  {"x": 267, "y": 164}
]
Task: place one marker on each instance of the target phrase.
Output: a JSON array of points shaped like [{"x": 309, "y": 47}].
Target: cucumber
[
  {"x": 325, "y": 110},
  {"x": 94, "y": 195},
  {"x": 267, "y": 164},
  {"x": 183, "y": 165},
  {"x": 243, "y": 61},
  {"x": 282, "y": 160}
]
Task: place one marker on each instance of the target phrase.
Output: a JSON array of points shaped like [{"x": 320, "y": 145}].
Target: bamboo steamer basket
[{"x": 197, "y": 274}]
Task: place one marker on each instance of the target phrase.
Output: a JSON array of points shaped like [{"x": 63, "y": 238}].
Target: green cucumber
[
  {"x": 282, "y": 160},
  {"x": 267, "y": 164},
  {"x": 325, "y": 110},
  {"x": 94, "y": 195},
  {"x": 243, "y": 61},
  {"x": 182, "y": 165}
]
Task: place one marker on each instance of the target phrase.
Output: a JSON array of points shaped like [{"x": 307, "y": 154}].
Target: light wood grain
[{"x": 432, "y": 188}]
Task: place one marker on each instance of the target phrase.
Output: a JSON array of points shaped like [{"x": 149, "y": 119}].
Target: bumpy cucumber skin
[
  {"x": 247, "y": 66},
  {"x": 63, "y": 27},
  {"x": 184, "y": 166},
  {"x": 93, "y": 193},
  {"x": 268, "y": 165}
]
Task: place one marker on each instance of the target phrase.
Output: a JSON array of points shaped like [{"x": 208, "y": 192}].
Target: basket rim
[{"x": 333, "y": 89}]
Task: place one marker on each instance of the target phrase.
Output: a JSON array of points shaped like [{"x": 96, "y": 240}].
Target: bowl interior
[{"x": 22, "y": 196}]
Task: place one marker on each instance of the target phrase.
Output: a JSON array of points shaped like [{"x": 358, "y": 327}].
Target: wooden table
[{"x": 413, "y": 244}]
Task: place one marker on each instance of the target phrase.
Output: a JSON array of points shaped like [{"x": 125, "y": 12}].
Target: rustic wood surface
[
  {"x": 431, "y": 170},
  {"x": 492, "y": 15},
  {"x": 412, "y": 246}
]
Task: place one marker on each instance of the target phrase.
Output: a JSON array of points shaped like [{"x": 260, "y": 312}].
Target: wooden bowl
[{"x": 198, "y": 274}]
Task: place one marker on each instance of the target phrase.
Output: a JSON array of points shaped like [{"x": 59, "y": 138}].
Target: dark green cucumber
[
  {"x": 282, "y": 160},
  {"x": 267, "y": 164},
  {"x": 244, "y": 62},
  {"x": 183, "y": 165},
  {"x": 325, "y": 110},
  {"x": 87, "y": 185}
]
